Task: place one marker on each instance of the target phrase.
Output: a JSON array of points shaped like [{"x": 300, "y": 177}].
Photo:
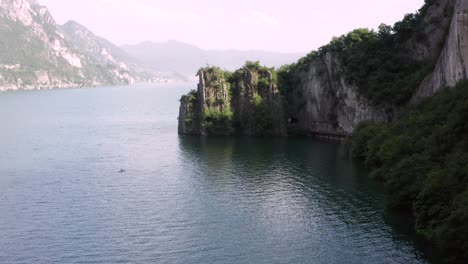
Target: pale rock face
[
  {"x": 88, "y": 43},
  {"x": 107, "y": 56},
  {"x": 73, "y": 59},
  {"x": 17, "y": 10},
  {"x": 452, "y": 64},
  {"x": 10, "y": 66},
  {"x": 65, "y": 53},
  {"x": 436, "y": 19},
  {"x": 42, "y": 77},
  {"x": 323, "y": 102},
  {"x": 43, "y": 13}
]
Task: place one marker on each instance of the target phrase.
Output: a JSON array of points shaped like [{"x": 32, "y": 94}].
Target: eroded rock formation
[{"x": 246, "y": 102}]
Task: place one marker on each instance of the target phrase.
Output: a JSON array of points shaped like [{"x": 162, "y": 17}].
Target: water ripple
[{"x": 182, "y": 199}]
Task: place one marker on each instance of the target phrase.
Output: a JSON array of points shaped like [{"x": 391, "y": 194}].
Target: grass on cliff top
[
  {"x": 423, "y": 161},
  {"x": 261, "y": 74}
]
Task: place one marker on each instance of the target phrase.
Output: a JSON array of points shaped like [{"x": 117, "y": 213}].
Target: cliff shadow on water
[{"x": 298, "y": 176}]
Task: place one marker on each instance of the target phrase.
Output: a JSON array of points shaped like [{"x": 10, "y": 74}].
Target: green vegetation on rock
[
  {"x": 243, "y": 102},
  {"x": 217, "y": 114},
  {"x": 256, "y": 95},
  {"x": 377, "y": 63},
  {"x": 218, "y": 122},
  {"x": 423, "y": 160}
]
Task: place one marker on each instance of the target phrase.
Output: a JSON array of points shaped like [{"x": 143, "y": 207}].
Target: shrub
[{"x": 423, "y": 161}]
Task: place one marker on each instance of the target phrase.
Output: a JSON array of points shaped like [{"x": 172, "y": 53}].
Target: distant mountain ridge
[{"x": 186, "y": 59}]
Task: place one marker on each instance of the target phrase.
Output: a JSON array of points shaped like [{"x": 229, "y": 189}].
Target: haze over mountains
[
  {"x": 186, "y": 59},
  {"x": 37, "y": 53}
]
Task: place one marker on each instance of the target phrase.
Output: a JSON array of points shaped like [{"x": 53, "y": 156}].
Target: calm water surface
[{"x": 182, "y": 199}]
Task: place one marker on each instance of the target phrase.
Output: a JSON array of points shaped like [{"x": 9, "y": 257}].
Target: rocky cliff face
[
  {"x": 34, "y": 53},
  {"x": 256, "y": 102},
  {"x": 437, "y": 19},
  {"x": 190, "y": 115},
  {"x": 322, "y": 101},
  {"x": 246, "y": 102},
  {"x": 207, "y": 110},
  {"x": 97, "y": 48},
  {"x": 452, "y": 64}
]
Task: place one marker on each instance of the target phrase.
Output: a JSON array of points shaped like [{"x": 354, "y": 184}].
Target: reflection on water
[
  {"x": 182, "y": 199},
  {"x": 305, "y": 195}
]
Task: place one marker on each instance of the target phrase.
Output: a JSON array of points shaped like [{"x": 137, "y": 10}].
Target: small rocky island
[{"x": 246, "y": 102}]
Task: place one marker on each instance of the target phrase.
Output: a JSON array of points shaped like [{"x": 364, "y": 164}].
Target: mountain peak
[{"x": 72, "y": 25}]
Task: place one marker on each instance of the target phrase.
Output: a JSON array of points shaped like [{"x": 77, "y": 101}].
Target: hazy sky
[{"x": 287, "y": 25}]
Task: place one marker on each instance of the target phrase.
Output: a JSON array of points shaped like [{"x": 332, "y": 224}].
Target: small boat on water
[{"x": 122, "y": 171}]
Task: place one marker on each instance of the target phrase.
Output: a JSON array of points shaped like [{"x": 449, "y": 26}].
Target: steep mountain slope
[
  {"x": 108, "y": 54},
  {"x": 186, "y": 59},
  {"x": 34, "y": 53},
  {"x": 100, "y": 49}
]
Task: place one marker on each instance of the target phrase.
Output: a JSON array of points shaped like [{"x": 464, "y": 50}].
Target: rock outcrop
[
  {"x": 323, "y": 102},
  {"x": 198, "y": 108},
  {"x": 246, "y": 102},
  {"x": 452, "y": 64},
  {"x": 189, "y": 115},
  {"x": 437, "y": 19},
  {"x": 256, "y": 102}
]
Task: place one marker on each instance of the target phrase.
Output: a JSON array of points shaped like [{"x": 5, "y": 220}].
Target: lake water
[{"x": 182, "y": 199}]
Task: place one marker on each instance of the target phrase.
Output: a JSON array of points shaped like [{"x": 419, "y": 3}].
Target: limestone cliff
[
  {"x": 246, "y": 102},
  {"x": 256, "y": 102},
  {"x": 207, "y": 110},
  {"x": 325, "y": 96},
  {"x": 435, "y": 22},
  {"x": 189, "y": 115},
  {"x": 322, "y": 101},
  {"x": 452, "y": 64}
]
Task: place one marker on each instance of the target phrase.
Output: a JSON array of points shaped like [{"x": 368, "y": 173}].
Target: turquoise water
[{"x": 181, "y": 199}]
